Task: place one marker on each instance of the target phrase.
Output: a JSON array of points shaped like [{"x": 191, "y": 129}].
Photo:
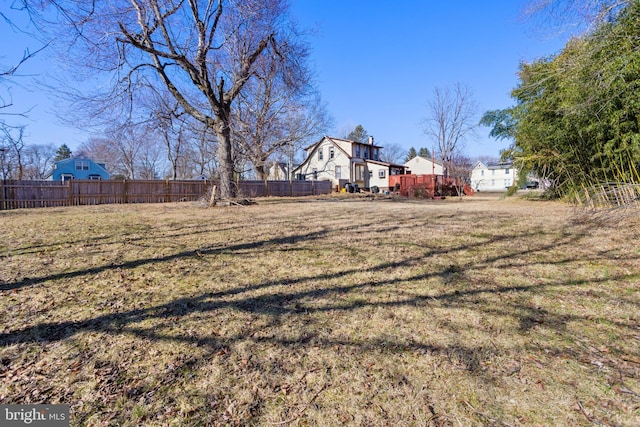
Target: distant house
[
  {"x": 78, "y": 168},
  {"x": 278, "y": 171},
  {"x": 422, "y": 166},
  {"x": 344, "y": 161},
  {"x": 493, "y": 176}
]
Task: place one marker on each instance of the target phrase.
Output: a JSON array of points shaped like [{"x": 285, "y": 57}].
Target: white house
[
  {"x": 344, "y": 161},
  {"x": 422, "y": 166},
  {"x": 278, "y": 171},
  {"x": 493, "y": 176}
]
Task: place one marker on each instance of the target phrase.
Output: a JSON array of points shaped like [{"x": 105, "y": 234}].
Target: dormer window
[{"x": 82, "y": 165}]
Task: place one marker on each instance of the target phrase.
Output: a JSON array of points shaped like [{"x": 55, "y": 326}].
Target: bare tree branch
[
  {"x": 576, "y": 15},
  {"x": 450, "y": 120}
]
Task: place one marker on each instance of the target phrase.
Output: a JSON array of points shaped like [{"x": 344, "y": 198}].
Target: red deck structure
[{"x": 426, "y": 186}]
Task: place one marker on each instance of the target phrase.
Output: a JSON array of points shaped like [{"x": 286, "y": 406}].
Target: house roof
[
  {"x": 493, "y": 165},
  {"x": 63, "y": 162},
  {"x": 435, "y": 162},
  {"x": 377, "y": 162},
  {"x": 334, "y": 139},
  {"x": 311, "y": 149}
]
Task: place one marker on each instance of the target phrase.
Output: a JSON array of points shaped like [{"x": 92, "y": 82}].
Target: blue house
[{"x": 78, "y": 168}]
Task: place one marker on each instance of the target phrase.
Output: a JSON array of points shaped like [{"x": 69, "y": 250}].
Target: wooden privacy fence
[
  {"x": 15, "y": 194},
  {"x": 284, "y": 188}
]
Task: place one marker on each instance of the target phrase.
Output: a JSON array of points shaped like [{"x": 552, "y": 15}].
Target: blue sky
[{"x": 376, "y": 63}]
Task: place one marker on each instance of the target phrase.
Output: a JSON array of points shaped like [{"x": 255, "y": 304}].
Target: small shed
[{"x": 423, "y": 166}]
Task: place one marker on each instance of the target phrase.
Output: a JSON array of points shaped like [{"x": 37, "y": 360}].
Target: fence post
[
  {"x": 3, "y": 196},
  {"x": 69, "y": 193},
  {"x": 125, "y": 198}
]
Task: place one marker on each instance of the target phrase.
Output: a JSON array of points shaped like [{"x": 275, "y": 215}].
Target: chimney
[{"x": 370, "y": 140}]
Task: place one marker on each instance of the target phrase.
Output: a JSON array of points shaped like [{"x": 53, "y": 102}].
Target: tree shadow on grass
[
  {"x": 159, "y": 260},
  {"x": 297, "y": 300},
  {"x": 293, "y": 302}
]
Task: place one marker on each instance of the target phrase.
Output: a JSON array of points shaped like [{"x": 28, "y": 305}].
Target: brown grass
[{"x": 322, "y": 312}]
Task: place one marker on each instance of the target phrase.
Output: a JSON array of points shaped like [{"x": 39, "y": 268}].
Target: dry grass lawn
[{"x": 322, "y": 312}]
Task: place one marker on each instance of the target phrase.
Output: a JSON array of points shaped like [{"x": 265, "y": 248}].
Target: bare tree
[
  {"x": 393, "y": 153},
  {"x": 128, "y": 142},
  {"x": 9, "y": 71},
  {"x": 272, "y": 123},
  {"x": 6, "y": 163},
  {"x": 11, "y": 138},
  {"x": 103, "y": 150},
  {"x": 345, "y": 129},
  {"x": 202, "y": 152},
  {"x": 202, "y": 51},
  {"x": 150, "y": 163},
  {"x": 38, "y": 161},
  {"x": 277, "y": 108},
  {"x": 176, "y": 144},
  {"x": 169, "y": 121},
  {"x": 308, "y": 122},
  {"x": 131, "y": 151},
  {"x": 450, "y": 120},
  {"x": 575, "y": 16},
  {"x": 460, "y": 169}
]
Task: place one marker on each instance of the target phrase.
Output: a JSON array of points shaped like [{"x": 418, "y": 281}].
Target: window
[
  {"x": 320, "y": 156},
  {"x": 370, "y": 174},
  {"x": 338, "y": 172},
  {"x": 507, "y": 183},
  {"x": 66, "y": 177},
  {"x": 506, "y": 171},
  {"x": 357, "y": 151},
  {"x": 359, "y": 172},
  {"x": 493, "y": 171},
  {"x": 82, "y": 165},
  {"x": 366, "y": 152},
  {"x": 482, "y": 172},
  {"x": 376, "y": 154},
  {"x": 493, "y": 182},
  {"x": 315, "y": 173},
  {"x": 95, "y": 177},
  {"x": 331, "y": 152},
  {"x": 381, "y": 173}
]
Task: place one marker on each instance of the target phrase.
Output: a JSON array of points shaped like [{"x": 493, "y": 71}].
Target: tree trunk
[
  {"x": 223, "y": 132},
  {"x": 261, "y": 173}
]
